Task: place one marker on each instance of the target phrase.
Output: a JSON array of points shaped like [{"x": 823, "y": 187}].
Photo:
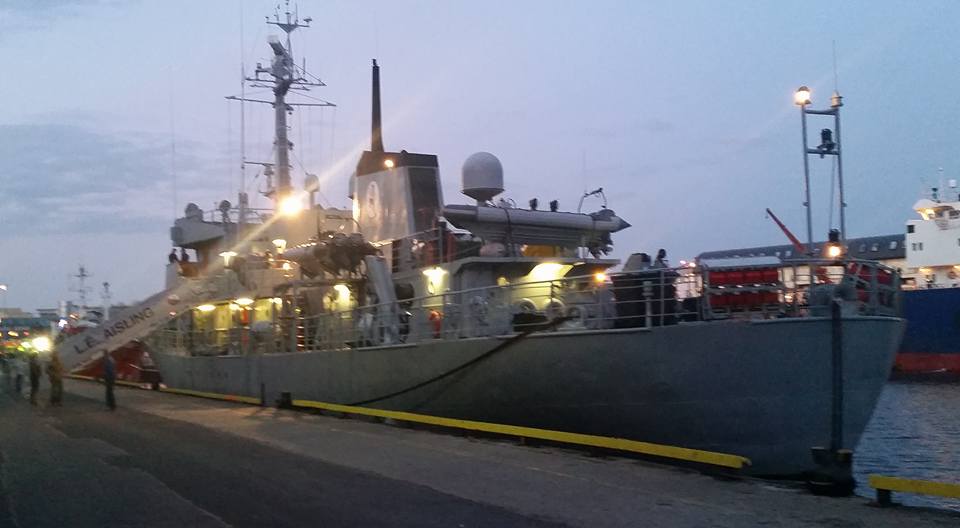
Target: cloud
[
  {"x": 69, "y": 179},
  {"x": 31, "y": 15}
]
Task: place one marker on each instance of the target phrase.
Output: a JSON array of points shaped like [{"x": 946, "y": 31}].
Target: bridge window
[
  {"x": 875, "y": 247},
  {"x": 893, "y": 244},
  {"x": 789, "y": 252},
  {"x": 910, "y": 229},
  {"x": 862, "y": 248}
]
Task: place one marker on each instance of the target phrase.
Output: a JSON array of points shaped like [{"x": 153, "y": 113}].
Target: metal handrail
[{"x": 643, "y": 298}]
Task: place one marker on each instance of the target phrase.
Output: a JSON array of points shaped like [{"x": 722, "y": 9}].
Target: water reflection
[{"x": 914, "y": 433}]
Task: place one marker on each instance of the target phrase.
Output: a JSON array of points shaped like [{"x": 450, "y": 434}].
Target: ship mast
[{"x": 281, "y": 76}]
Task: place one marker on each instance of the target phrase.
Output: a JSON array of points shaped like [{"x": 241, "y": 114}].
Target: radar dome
[{"x": 482, "y": 176}]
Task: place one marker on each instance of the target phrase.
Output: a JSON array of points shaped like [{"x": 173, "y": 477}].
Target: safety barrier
[
  {"x": 885, "y": 485},
  {"x": 329, "y": 319}
]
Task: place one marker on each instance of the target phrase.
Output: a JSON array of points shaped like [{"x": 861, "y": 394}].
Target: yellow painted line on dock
[
  {"x": 922, "y": 487},
  {"x": 621, "y": 444},
  {"x": 213, "y": 395}
]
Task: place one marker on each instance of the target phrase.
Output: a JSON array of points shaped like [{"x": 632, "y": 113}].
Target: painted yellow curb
[
  {"x": 922, "y": 487},
  {"x": 213, "y": 395},
  {"x": 622, "y": 444}
]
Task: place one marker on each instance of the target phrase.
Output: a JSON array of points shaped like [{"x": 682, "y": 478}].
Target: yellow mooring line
[
  {"x": 884, "y": 485},
  {"x": 622, "y": 444}
]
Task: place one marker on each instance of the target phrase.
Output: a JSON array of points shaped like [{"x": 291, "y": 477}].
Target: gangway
[{"x": 80, "y": 350}]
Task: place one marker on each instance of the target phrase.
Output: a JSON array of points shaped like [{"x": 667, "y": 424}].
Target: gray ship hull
[{"x": 761, "y": 389}]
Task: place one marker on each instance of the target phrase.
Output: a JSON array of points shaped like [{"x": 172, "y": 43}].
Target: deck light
[
  {"x": 802, "y": 96},
  {"x": 546, "y": 271},
  {"x": 206, "y": 308},
  {"x": 833, "y": 247},
  {"x": 290, "y": 206},
  {"x": 280, "y": 244},
  {"x": 600, "y": 277},
  {"x": 227, "y": 255},
  {"x": 244, "y": 301},
  {"x": 434, "y": 278},
  {"x": 388, "y": 163}
]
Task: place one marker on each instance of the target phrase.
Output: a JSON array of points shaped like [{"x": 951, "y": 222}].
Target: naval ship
[{"x": 492, "y": 312}]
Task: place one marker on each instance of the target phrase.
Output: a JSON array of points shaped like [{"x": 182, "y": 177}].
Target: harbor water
[{"x": 914, "y": 433}]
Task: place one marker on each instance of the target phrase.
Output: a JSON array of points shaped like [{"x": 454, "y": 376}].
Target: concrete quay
[{"x": 170, "y": 460}]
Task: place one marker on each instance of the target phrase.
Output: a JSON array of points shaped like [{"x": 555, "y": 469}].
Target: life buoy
[{"x": 436, "y": 322}]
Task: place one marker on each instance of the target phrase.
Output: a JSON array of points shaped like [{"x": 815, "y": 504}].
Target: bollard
[{"x": 285, "y": 401}]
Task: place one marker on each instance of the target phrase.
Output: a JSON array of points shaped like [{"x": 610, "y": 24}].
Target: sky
[{"x": 114, "y": 117}]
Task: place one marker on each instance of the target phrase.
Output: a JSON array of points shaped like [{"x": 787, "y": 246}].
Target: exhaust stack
[{"x": 376, "y": 139}]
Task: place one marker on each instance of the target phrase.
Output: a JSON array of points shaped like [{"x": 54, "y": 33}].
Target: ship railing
[{"x": 636, "y": 299}]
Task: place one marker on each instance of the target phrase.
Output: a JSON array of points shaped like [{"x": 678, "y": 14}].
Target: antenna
[
  {"x": 105, "y": 298},
  {"x": 836, "y": 81},
  {"x": 281, "y": 76},
  {"x": 81, "y": 288}
]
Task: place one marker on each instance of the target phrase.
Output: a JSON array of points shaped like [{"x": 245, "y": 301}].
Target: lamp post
[
  {"x": 802, "y": 98},
  {"x": 829, "y": 146}
]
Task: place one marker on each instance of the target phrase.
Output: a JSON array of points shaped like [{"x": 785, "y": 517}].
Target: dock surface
[{"x": 170, "y": 460}]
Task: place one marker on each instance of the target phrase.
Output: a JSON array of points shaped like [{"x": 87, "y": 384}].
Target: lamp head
[{"x": 802, "y": 96}]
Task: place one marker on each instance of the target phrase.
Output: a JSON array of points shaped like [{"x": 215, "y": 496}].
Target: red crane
[{"x": 799, "y": 247}]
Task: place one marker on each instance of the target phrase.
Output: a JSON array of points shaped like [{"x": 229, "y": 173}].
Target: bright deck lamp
[
  {"x": 244, "y": 301},
  {"x": 834, "y": 249},
  {"x": 802, "y": 96},
  {"x": 227, "y": 255},
  {"x": 290, "y": 206}
]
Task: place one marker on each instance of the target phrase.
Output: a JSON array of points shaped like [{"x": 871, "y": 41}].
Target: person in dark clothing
[
  {"x": 172, "y": 257},
  {"x": 184, "y": 256},
  {"x": 55, "y": 373},
  {"x": 109, "y": 379},
  {"x": 661, "y": 261},
  {"x": 35, "y": 373}
]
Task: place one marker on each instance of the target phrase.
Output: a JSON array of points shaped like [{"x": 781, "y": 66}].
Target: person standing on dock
[
  {"x": 35, "y": 373},
  {"x": 55, "y": 373},
  {"x": 109, "y": 379},
  {"x": 19, "y": 370}
]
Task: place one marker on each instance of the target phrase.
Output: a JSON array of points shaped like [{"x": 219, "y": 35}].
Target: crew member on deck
[
  {"x": 184, "y": 256},
  {"x": 661, "y": 261},
  {"x": 172, "y": 257}
]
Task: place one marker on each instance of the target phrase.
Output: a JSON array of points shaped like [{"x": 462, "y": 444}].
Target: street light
[
  {"x": 829, "y": 145},
  {"x": 802, "y": 98}
]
